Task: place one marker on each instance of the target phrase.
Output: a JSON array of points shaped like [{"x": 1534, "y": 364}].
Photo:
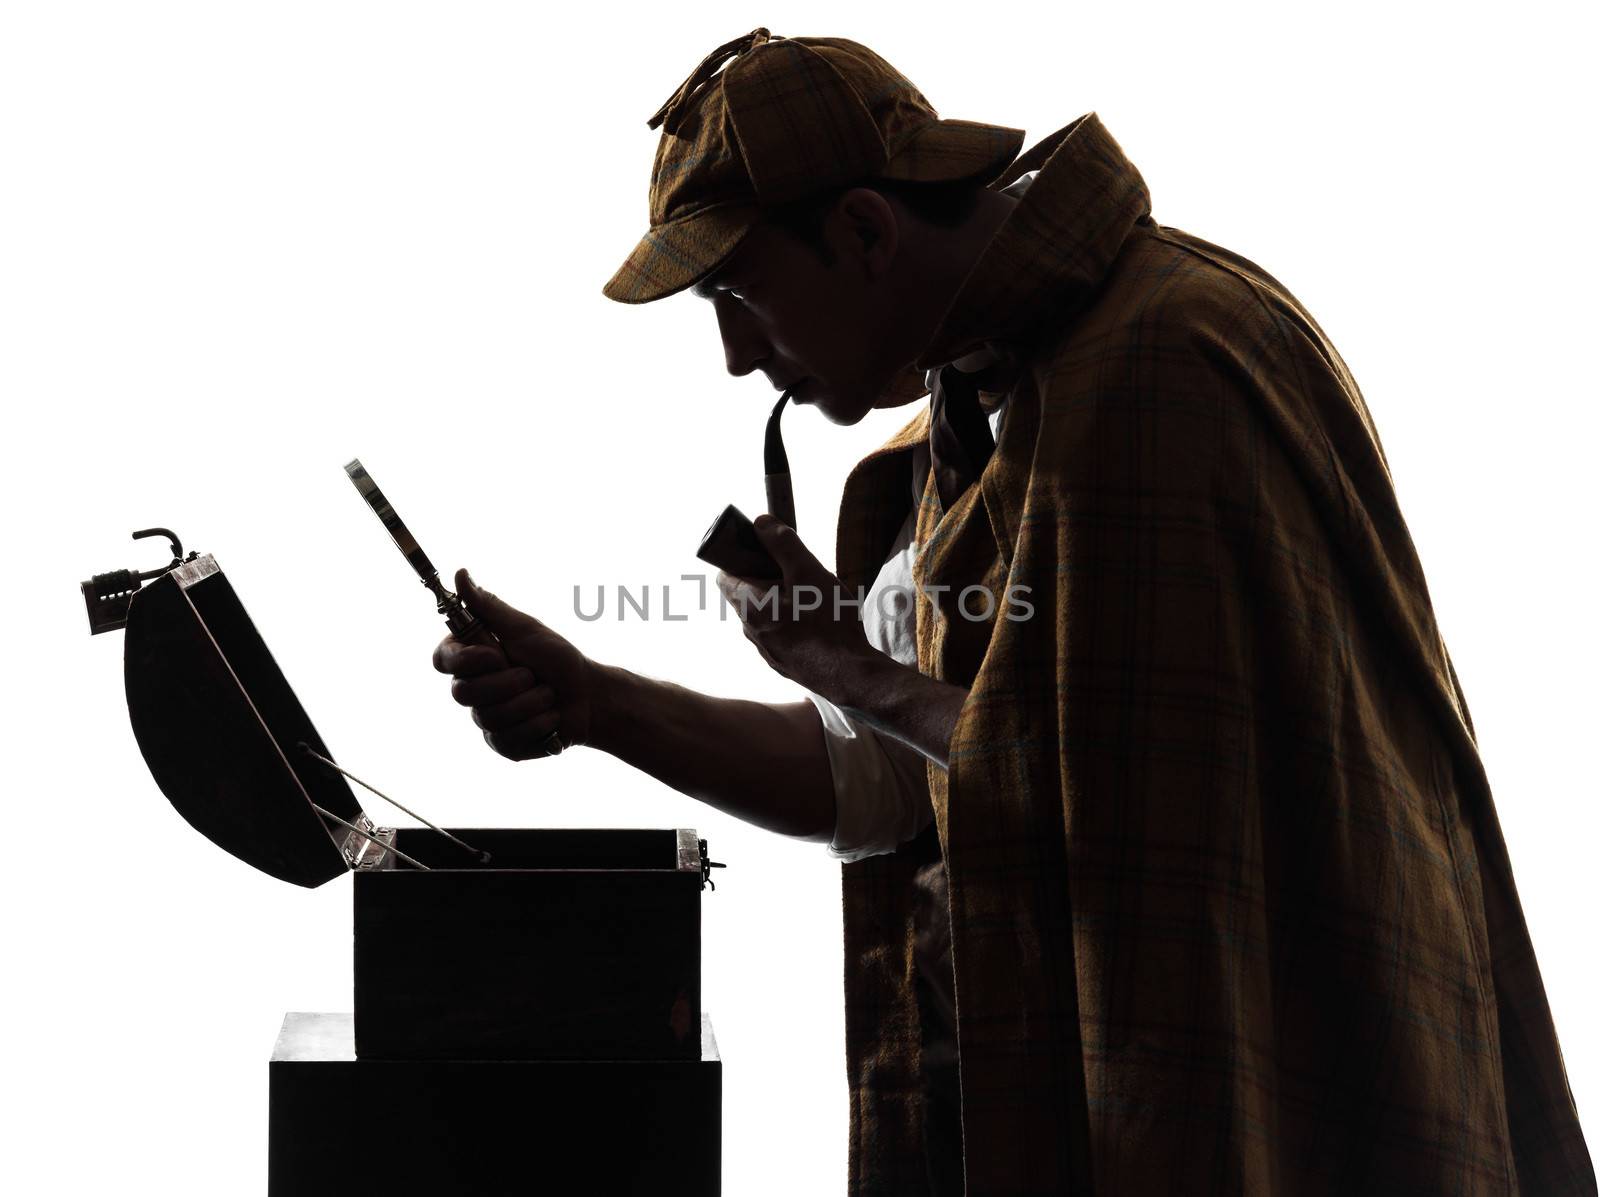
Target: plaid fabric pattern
[
  {"x": 1230, "y": 908},
  {"x": 785, "y": 118},
  {"x": 798, "y": 128}
]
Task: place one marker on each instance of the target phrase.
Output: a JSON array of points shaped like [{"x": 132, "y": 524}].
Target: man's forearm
[
  {"x": 898, "y": 700},
  {"x": 764, "y": 763}
]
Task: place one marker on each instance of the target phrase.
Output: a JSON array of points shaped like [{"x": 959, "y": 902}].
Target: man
[{"x": 1171, "y": 865}]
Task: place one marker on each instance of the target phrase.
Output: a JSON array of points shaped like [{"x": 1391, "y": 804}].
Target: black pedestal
[{"x": 348, "y": 1127}]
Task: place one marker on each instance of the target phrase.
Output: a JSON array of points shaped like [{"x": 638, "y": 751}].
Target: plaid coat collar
[
  {"x": 1055, "y": 248},
  {"x": 1043, "y": 265}
]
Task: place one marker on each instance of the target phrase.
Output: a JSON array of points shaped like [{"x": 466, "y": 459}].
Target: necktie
[{"x": 959, "y": 441}]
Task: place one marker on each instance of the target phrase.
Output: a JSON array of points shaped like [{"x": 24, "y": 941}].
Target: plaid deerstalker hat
[{"x": 789, "y": 117}]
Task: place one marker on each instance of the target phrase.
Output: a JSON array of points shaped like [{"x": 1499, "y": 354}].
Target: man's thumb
[
  {"x": 500, "y": 616},
  {"x": 774, "y": 533},
  {"x": 780, "y": 540}
]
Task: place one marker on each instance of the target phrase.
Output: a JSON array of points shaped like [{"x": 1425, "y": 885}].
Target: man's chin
[{"x": 836, "y": 411}]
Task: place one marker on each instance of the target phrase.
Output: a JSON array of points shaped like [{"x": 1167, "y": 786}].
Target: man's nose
[{"x": 743, "y": 347}]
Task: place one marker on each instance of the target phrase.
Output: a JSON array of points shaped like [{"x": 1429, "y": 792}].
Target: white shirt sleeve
[{"x": 880, "y": 787}]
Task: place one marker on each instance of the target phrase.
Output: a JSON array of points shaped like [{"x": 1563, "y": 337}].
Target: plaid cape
[{"x": 1230, "y": 907}]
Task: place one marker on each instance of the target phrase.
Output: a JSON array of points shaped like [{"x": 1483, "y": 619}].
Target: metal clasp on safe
[{"x": 706, "y": 865}]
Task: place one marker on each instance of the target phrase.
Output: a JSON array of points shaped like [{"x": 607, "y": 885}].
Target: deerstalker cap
[{"x": 787, "y": 118}]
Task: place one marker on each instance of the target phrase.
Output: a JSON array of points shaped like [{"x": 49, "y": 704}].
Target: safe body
[{"x": 567, "y": 945}]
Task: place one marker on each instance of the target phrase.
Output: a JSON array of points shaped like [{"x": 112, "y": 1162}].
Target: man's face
[{"x": 831, "y": 328}]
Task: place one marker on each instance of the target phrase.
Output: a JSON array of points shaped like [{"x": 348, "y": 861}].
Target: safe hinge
[{"x": 366, "y": 851}]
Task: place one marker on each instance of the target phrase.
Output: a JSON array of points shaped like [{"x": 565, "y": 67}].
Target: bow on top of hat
[
  {"x": 786, "y": 118},
  {"x": 666, "y": 116}
]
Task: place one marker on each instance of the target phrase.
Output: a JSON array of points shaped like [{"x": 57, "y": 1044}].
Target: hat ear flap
[{"x": 799, "y": 123}]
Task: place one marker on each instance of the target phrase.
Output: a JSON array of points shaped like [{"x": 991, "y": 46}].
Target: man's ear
[{"x": 864, "y": 229}]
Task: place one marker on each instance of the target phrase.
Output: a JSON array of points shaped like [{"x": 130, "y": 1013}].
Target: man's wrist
[
  {"x": 905, "y": 703},
  {"x": 864, "y": 683},
  {"x": 607, "y": 704}
]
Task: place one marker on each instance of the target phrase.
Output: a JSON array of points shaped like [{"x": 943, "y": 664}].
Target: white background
[{"x": 240, "y": 244}]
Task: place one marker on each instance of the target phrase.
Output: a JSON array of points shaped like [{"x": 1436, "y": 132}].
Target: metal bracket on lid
[
  {"x": 483, "y": 857},
  {"x": 363, "y": 829},
  {"x": 364, "y": 850}
]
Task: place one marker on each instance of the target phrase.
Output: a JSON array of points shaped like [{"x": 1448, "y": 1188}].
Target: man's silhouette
[{"x": 1171, "y": 866}]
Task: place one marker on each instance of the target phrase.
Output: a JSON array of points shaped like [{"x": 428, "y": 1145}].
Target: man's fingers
[
  {"x": 467, "y": 660},
  {"x": 782, "y": 541},
  {"x": 762, "y": 599},
  {"x": 524, "y": 741},
  {"x": 529, "y": 705},
  {"x": 489, "y": 689}
]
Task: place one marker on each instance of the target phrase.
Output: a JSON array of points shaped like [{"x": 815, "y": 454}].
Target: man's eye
[{"x": 736, "y": 293}]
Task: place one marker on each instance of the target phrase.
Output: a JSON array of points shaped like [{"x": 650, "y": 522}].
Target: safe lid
[{"x": 222, "y": 731}]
